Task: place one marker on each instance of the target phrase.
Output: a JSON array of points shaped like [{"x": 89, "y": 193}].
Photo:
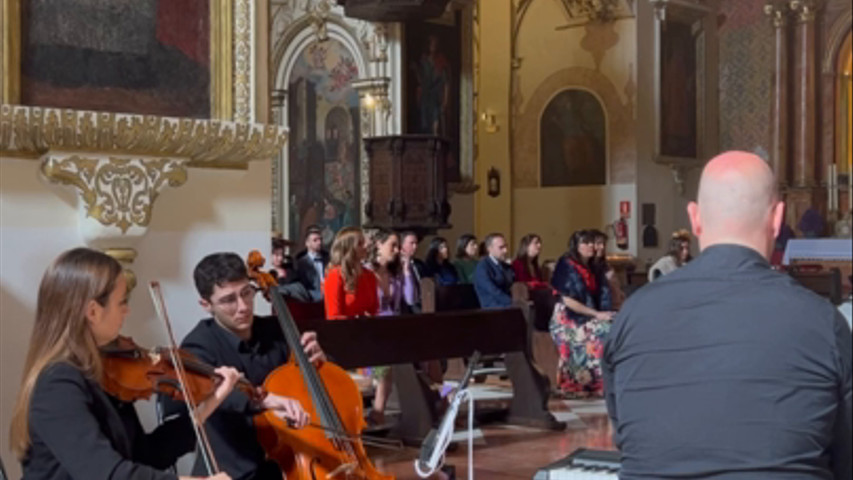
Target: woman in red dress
[{"x": 349, "y": 289}]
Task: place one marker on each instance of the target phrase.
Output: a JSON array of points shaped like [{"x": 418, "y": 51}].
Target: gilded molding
[
  {"x": 806, "y": 10},
  {"x": 10, "y": 51},
  {"x": 777, "y": 11},
  {"x": 125, "y": 256},
  {"x": 222, "y": 65},
  {"x": 25, "y": 131},
  {"x": 242, "y": 61},
  {"x": 116, "y": 191}
]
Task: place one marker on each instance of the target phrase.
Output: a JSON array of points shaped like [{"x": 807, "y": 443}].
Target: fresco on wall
[
  {"x": 572, "y": 140},
  {"x": 134, "y": 56},
  {"x": 678, "y": 92},
  {"x": 432, "y": 84},
  {"x": 324, "y": 142}
]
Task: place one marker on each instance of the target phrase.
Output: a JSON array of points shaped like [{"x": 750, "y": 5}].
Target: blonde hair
[
  {"x": 61, "y": 331},
  {"x": 344, "y": 255}
]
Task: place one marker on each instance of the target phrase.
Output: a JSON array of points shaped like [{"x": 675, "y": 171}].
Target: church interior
[{"x": 161, "y": 131}]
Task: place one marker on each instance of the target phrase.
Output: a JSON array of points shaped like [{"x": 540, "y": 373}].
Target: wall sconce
[
  {"x": 491, "y": 120},
  {"x": 369, "y": 101},
  {"x": 494, "y": 182}
]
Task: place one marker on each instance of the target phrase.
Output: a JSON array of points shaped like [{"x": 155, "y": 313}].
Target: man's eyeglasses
[{"x": 247, "y": 294}]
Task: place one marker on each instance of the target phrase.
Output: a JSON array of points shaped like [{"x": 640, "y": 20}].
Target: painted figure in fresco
[
  {"x": 433, "y": 75},
  {"x": 572, "y": 140}
]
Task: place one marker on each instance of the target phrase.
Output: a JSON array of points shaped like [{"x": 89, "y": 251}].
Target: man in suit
[
  {"x": 411, "y": 265},
  {"x": 493, "y": 277},
  {"x": 310, "y": 268}
]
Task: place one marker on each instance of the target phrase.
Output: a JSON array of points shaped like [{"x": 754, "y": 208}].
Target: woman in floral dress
[{"x": 582, "y": 320}]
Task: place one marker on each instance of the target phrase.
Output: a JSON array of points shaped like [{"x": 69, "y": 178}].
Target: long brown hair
[
  {"x": 530, "y": 264},
  {"x": 344, "y": 255},
  {"x": 61, "y": 331}
]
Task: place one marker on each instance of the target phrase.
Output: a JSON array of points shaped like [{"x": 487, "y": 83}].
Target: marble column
[
  {"x": 778, "y": 12},
  {"x": 805, "y": 95},
  {"x": 803, "y": 192}
]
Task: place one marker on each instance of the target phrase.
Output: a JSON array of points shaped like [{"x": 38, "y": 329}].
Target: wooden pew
[
  {"x": 826, "y": 283},
  {"x": 403, "y": 340},
  {"x": 540, "y": 304}
]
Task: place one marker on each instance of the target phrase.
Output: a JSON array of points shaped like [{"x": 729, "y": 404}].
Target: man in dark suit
[
  {"x": 493, "y": 277},
  {"x": 310, "y": 268}
]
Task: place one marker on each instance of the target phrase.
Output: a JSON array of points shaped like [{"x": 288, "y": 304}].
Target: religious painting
[
  {"x": 324, "y": 145},
  {"x": 678, "y": 102},
  {"x": 573, "y": 141},
  {"x": 433, "y": 62},
  {"x": 134, "y": 56}
]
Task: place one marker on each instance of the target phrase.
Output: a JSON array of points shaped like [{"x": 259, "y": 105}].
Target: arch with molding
[
  {"x": 838, "y": 34},
  {"x": 299, "y": 36},
  {"x": 621, "y": 151},
  {"x": 573, "y": 139}
]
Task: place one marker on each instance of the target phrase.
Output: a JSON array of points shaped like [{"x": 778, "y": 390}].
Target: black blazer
[
  {"x": 306, "y": 274},
  {"x": 79, "y": 432}
]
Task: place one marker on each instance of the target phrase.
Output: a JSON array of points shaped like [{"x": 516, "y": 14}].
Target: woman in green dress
[{"x": 466, "y": 257}]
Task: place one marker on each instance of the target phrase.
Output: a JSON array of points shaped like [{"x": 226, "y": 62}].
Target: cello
[{"x": 332, "y": 449}]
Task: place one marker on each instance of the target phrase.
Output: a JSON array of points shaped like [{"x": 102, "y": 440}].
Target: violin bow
[{"x": 201, "y": 434}]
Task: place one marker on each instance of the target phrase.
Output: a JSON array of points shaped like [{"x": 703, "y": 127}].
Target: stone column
[
  {"x": 803, "y": 192},
  {"x": 280, "y": 202},
  {"x": 778, "y": 12},
  {"x": 805, "y": 95}
]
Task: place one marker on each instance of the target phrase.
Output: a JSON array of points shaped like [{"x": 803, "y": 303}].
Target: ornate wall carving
[{"x": 620, "y": 126}]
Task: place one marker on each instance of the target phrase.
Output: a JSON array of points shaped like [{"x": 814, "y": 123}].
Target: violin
[
  {"x": 333, "y": 448},
  {"x": 133, "y": 373}
]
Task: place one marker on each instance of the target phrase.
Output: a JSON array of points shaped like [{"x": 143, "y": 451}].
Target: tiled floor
[{"x": 505, "y": 452}]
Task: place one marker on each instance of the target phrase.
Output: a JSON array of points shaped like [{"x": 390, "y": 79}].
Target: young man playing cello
[{"x": 255, "y": 346}]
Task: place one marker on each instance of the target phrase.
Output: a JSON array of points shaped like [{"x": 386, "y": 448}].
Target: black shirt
[
  {"x": 726, "y": 369},
  {"x": 230, "y": 428},
  {"x": 79, "y": 432}
]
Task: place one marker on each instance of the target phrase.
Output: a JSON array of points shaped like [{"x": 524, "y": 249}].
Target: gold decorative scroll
[
  {"x": 116, "y": 191},
  {"x": 33, "y": 131}
]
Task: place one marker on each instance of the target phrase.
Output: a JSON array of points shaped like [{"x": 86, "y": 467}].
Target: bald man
[{"x": 726, "y": 369}]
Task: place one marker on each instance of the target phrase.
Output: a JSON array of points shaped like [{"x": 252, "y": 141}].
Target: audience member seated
[
  {"x": 393, "y": 287},
  {"x": 581, "y": 321},
  {"x": 412, "y": 265},
  {"x": 526, "y": 263},
  {"x": 350, "y": 289},
  {"x": 677, "y": 256},
  {"x": 438, "y": 263},
  {"x": 493, "y": 277},
  {"x": 311, "y": 266},
  {"x": 467, "y": 250},
  {"x": 726, "y": 369},
  {"x": 603, "y": 269},
  {"x": 282, "y": 262}
]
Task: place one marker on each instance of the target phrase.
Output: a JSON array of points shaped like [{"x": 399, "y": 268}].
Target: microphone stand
[{"x": 436, "y": 442}]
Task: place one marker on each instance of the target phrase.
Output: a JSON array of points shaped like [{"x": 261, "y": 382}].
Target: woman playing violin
[{"x": 65, "y": 425}]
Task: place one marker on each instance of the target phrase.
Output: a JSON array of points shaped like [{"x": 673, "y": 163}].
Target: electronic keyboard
[{"x": 583, "y": 464}]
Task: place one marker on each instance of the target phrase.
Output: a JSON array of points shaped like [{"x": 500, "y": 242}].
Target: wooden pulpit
[{"x": 408, "y": 185}]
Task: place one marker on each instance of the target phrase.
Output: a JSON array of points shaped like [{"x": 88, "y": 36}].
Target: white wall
[{"x": 215, "y": 210}]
